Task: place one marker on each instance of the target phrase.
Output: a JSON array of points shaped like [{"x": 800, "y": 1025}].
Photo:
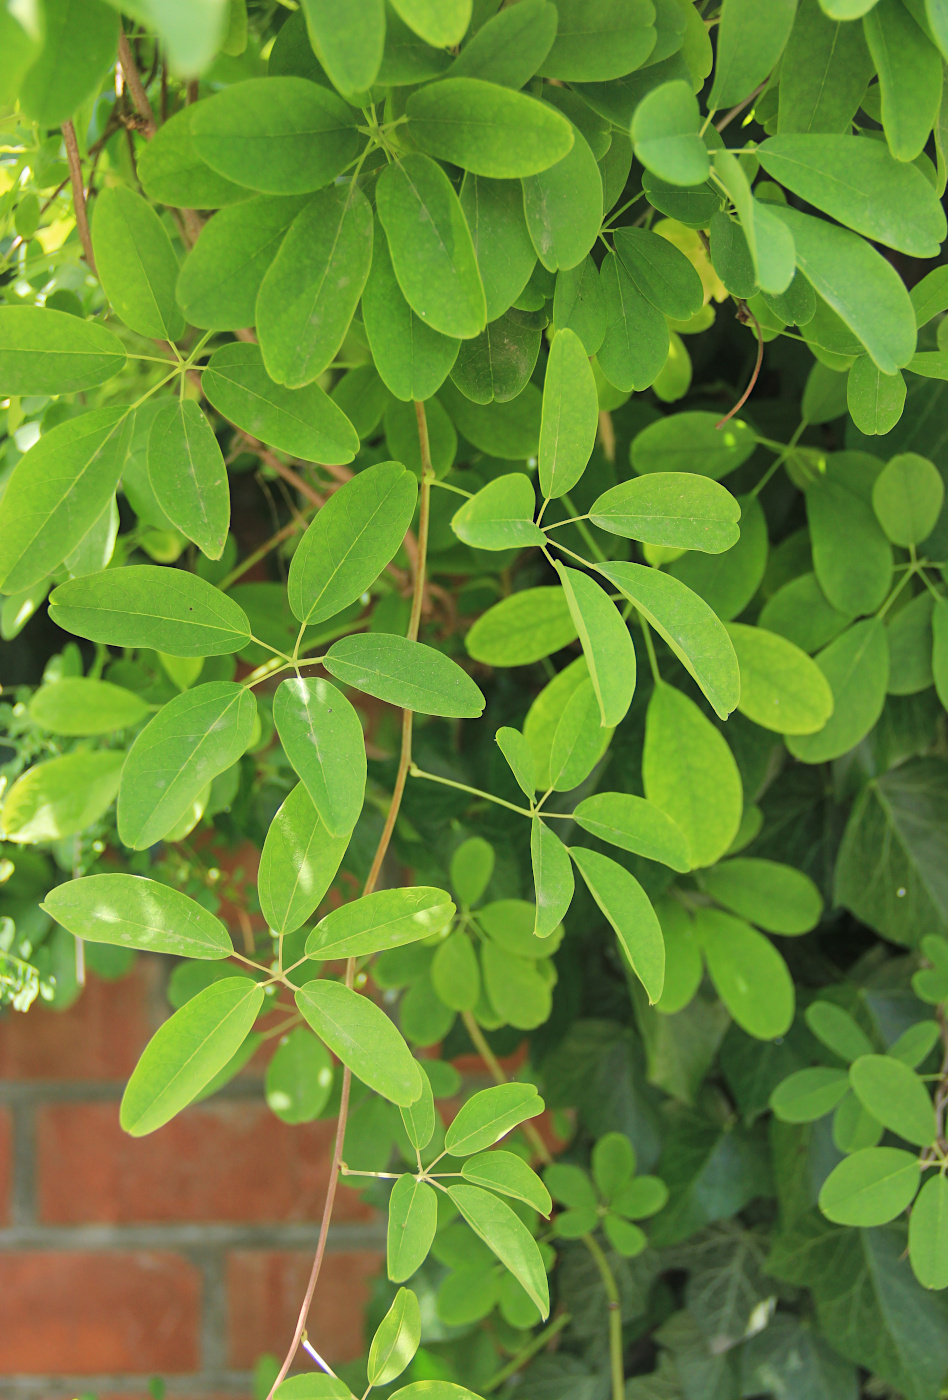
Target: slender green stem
[
  {"x": 650, "y": 648},
  {"x": 578, "y": 521},
  {"x": 458, "y": 490},
  {"x": 784, "y": 453},
  {"x": 907, "y": 576},
  {"x": 416, "y": 772},
  {"x": 616, "y": 213},
  {"x": 527, "y": 1353},
  {"x": 615, "y": 1317}
]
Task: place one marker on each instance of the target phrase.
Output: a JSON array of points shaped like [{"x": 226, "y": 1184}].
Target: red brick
[
  {"x": 225, "y": 1161},
  {"x": 266, "y": 1290},
  {"x": 99, "y": 1037},
  {"x": 93, "y": 1313},
  {"x": 6, "y": 1165}
]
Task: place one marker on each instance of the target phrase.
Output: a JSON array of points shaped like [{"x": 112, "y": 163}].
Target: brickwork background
[{"x": 182, "y": 1254}]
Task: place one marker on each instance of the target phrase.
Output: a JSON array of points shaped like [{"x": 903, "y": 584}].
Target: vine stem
[
  {"x": 420, "y": 559},
  {"x": 78, "y": 193},
  {"x": 133, "y": 79},
  {"x": 602, "y": 1263}
]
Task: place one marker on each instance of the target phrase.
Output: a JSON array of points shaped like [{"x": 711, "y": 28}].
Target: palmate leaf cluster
[{"x": 374, "y": 389}]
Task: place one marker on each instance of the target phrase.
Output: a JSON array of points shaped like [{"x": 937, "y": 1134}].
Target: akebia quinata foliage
[{"x": 488, "y": 461}]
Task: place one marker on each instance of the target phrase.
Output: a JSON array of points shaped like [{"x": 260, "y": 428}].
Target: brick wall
[{"x": 182, "y": 1254}]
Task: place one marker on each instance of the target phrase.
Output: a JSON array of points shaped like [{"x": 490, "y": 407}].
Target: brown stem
[
  {"x": 135, "y": 86},
  {"x": 381, "y": 851},
  {"x": 753, "y": 379},
  {"x": 736, "y": 111},
  {"x": 607, "y": 434},
  {"x": 78, "y": 192},
  {"x": 288, "y": 530}
]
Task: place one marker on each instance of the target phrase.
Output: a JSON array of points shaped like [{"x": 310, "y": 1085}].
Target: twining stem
[
  {"x": 602, "y": 1263},
  {"x": 782, "y": 454},
  {"x": 136, "y": 87},
  {"x": 427, "y": 473},
  {"x": 754, "y": 377},
  {"x": 527, "y": 1353},
  {"x": 78, "y": 193},
  {"x": 286, "y": 533}
]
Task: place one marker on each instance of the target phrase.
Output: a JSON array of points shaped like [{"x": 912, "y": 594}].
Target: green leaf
[
  {"x": 441, "y": 23},
  {"x": 665, "y": 132},
  {"x": 857, "y": 283},
  {"x": 299, "y": 1078},
  {"x": 576, "y": 746},
  {"x": 430, "y": 245},
  {"x": 851, "y": 556},
  {"x": 552, "y": 877},
  {"x": 510, "y": 1176},
  {"x": 570, "y": 415},
  {"x": 644, "y": 1196},
  {"x": 693, "y": 631},
  {"x": 136, "y": 263},
  {"x": 172, "y": 172},
  {"x": 419, "y": 1119},
  {"x": 488, "y": 1115},
  {"x": 304, "y": 422},
  {"x": 322, "y": 737},
  {"x": 61, "y": 797},
  {"x": 137, "y": 913},
  {"x": 894, "y": 1094},
  {"x": 910, "y": 77},
  {"x": 510, "y": 431},
  {"x": 455, "y": 973},
  {"x": 751, "y": 39},
  {"x": 634, "y": 824},
  {"x": 510, "y": 922},
  {"x": 221, "y": 276},
  {"x": 78, "y": 48},
  {"x": 679, "y": 510},
  {"x": 405, "y": 673},
  {"x": 522, "y": 628},
  {"x": 930, "y": 296},
  {"x": 487, "y": 129},
  {"x": 193, "y": 738},
  {"x": 916, "y": 1044},
  {"x": 875, "y": 400},
  {"x": 613, "y": 1163},
  {"x": 928, "y": 1234},
  {"x": 298, "y": 863},
  {"x": 907, "y": 497},
  {"x": 471, "y": 868},
  {"x": 354, "y": 536},
  {"x": 188, "y": 1051},
  {"x": 777, "y": 897},
  {"x": 690, "y": 442},
  {"x": 505, "y": 1233},
  {"x": 276, "y": 135},
  {"x": 379, "y": 921},
  {"x": 22, "y": 40},
  {"x": 578, "y": 304},
  {"x": 940, "y": 648},
  {"x": 689, "y": 771},
  {"x": 858, "y": 182},
  {"x": 168, "y": 609},
  {"x": 412, "y": 1221},
  {"x": 782, "y": 689},
  {"x": 396, "y": 1339},
  {"x": 412, "y": 358},
  {"x": 192, "y": 33},
  {"x": 311, "y": 289},
  {"x": 188, "y": 475},
  {"x": 809, "y": 1094},
  {"x": 871, "y": 1187},
  {"x": 349, "y": 41},
  {"x": 748, "y": 973},
  {"x": 607, "y": 646},
  {"x": 800, "y": 612},
  {"x": 600, "y": 39},
  {"x": 79, "y": 706},
  {"x": 635, "y": 345},
  {"x": 662, "y": 273},
  {"x": 856, "y": 665},
  {"x": 563, "y": 206},
  {"x": 493, "y": 210},
  {"x": 519, "y": 756},
  {"x": 629, "y": 911},
  {"x": 403, "y": 442},
  {"x": 824, "y": 74},
  {"x": 500, "y": 515},
  {"x": 363, "y": 1038},
  {"x": 57, "y": 491},
  {"x": 510, "y": 47},
  {"x": 497, "y": 364}
]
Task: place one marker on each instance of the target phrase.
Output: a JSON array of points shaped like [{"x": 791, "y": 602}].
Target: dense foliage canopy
[{"x": 486, "y": 464}]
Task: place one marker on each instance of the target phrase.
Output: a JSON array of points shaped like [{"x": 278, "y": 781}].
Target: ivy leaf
[
  {"x": 277, "y": 135},
  {"x": 322, "y": 737},
  {"x": 354, "y": 536},
  {"x": 193, "y": 738},
  {"x": 363, "y": 1038},
  {"x": 188, "y": 475},
  {"x": 188, "y": 1051},
  {"x": 298, "y": 863},
  {"x": 57, "y": 491},
  {"x": 167, "y": 609},
  {"x": 136, "y": 263},
  {"x": 875, "y": 400},
  {"x": 405, "y": 673},
  {"x": 379, "y": 921},
  {"x": 661, "y": 272},
  {"x": 487, "y": 129},
  {"x": 133, "y": 912},
  {"x": 629, "y": 911},
  {"x": 505, "y": 1233}
]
